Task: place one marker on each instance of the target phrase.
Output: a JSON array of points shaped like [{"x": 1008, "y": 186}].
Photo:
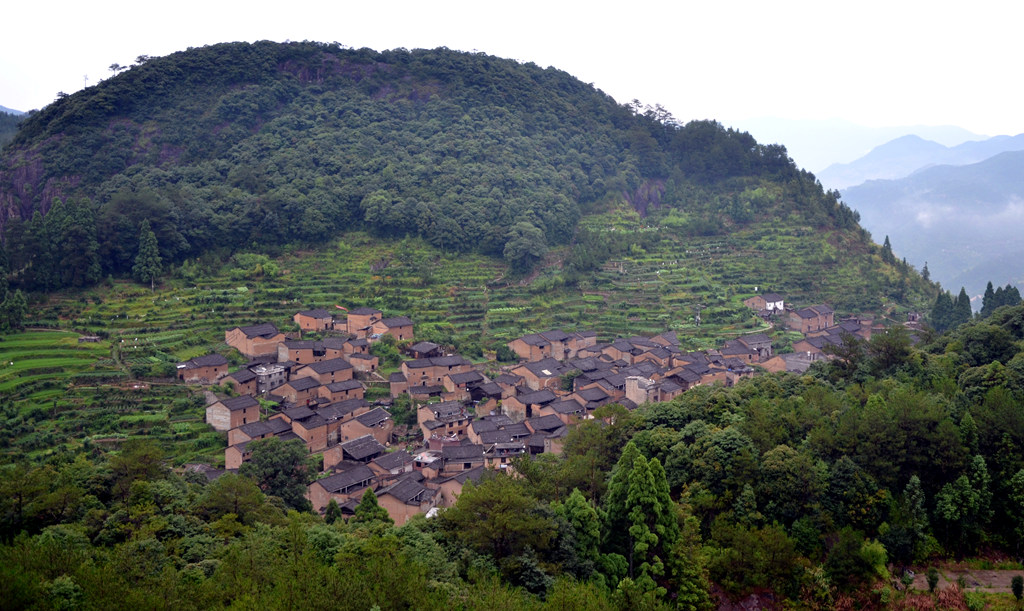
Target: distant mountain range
[
  {"x": 965, "y": 221},
  {"x": 907, "y": 154},
  {"x": 10, "y": 111},
  {"x": 816, "y": 144}
]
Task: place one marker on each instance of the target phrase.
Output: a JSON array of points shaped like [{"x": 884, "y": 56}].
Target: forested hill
[{"x": 247, "y": 145}]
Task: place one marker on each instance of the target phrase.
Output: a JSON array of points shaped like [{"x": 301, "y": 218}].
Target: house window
[{"x": 467, "y": 466}]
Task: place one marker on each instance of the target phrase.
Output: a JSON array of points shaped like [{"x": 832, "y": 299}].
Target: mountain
[
  {"x": 10, "y": 111},
  {"x": 816, "y": 144},
  {"x": 964, "y": 221},
  {"x": 240, "y": 147},
  {"x": 902, "y": 156}
]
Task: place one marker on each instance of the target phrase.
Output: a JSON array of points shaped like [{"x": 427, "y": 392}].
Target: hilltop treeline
[
  {"x": 243, "y": 146},
  {"x": 810, "y": 487}
]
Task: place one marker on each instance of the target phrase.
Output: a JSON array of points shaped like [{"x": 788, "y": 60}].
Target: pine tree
[
  {"x": 887, "y": 255},
  {"x": 368, "y": 510},
  {"x": 333, "y": 512},
  {"x": 925, "y": 273},
  {"x": 988, "y": 301},
  {"x": 961, "y": 308},
  {"x": 942, "y": 312},
  {"x": 147, "y": 263}
]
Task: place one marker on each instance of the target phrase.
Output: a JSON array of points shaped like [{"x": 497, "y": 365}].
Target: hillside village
[{"x": 467, "y": 422}]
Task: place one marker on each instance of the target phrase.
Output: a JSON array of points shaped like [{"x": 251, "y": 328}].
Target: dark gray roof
[
  {"x": 346, "y": 480},
  {"x": 373, "y": 417},
  {"x": 592, "y": 394},
  {"x": 345, "y": 385},
  {"x": 545, "y": 423},
  {"x": 209, "y": 360},
  {"x": 492, "y": 437},
  {"x": 303, "y": 383},
  {"x": 242, "y": 376},
  {"x": 397, "y": 321},
  {"x": 262, "y": 428},
  {"x": 261, "y": 330},
  {"x": 397, "y": 378},
  {"x": 330, "y": 366},
  {"x": 393, "y": 460},
  {"x": 538, "y": 397},
  {"x": 464, "y": 452},
  {"x": 545, "y": 368},
  {"x": 238, "y": 403},
  {"x": 473, "y": 474},
  {"x": 298, "y": 413},
  {"x": 364, "y": 311},
  {"x": 424, "y": 347},
  {"x": 362, "y": 447},
  {"x": 319, "y": 313},
  {"x": 408, "y": 491},
  {"x": 518, "y": 429},
  {"x": 466, "y": 378},
  {"x": 483, "y": 426}
]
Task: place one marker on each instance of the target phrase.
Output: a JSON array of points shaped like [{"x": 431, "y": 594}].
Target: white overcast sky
[{"x": 875, "y": 63}]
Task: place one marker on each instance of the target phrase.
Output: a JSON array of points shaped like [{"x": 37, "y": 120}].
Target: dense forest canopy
[{"x": 242, "y": 146}]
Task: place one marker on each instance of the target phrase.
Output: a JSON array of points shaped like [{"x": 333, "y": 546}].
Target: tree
[
  {"x": 988, "y": 301},
  {"x": 942, "y": 312},
  {"x": 525, "y": 246},
  {"x": 1017, "y": 587},
  {"x": 333, "y": 512},
  {"x": 498, "y": 518},
  {"x": 232, "y": 494},
  {"x": 279, "y": 468},
  {"x": 13, "y": 311},
  {"x": 369, "y": 511},
  {"x": 887, "y": 255},
  {"x": 147, "y": 263},
  {"x": 961, "y": 308}
]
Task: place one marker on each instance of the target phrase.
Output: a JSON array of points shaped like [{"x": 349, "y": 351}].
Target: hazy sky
[{"x": 893, "y": 62}]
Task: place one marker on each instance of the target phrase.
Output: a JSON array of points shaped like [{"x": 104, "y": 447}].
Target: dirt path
[{"x": 980, "y": 580}]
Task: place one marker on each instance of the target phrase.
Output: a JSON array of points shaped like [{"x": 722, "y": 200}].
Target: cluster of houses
[{"x": 468, "y": 421}]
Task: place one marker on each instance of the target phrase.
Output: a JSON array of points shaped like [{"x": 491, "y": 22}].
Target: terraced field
[{"x": 465, "y": 300}]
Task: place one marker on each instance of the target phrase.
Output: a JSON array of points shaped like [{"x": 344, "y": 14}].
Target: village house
[
  {"x": 405, "y": 498},
  {"x": 363, "y": 363},
  {"x": 377, "y": 423},
  {"x": 432, "y": 370},
  {"x": 811, "y": 319},
  {"x": 528, "y": 404},
  {"x": 461, "y": 458},
  {"x": 424, "y": 350},
  {"x": 254, "y": 340},
  {"x": 226, "y": 414},
  {"x": 499, "y": 455},
  {"x": 448, "y": 419},
  {"x": 457, "y": 385},
  {"x": 299, "y": 390},
  {"x": 392, "y": 463},
  {"x": 359, "y": 321},
  {"x": 243, "y": 381},
  {"x": 314, "y": 320},
  {"x": 260, "y": 429},
  {"x": 769, "y": 302},
  {"x": 326, "y": 372},
  {"x": 269, "y": 376},
  {"x": 235, "y": 455},
  {"x": 339, "y": 391},
  {"x": 545, "y": 373},
  {"x": 555, "y": 344},
  {"x": 203, "y": 369},
  {"x": 449, "y": 488},
  {"x": 399, "y": 327},
  {"x": 398, "y": 384}
]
